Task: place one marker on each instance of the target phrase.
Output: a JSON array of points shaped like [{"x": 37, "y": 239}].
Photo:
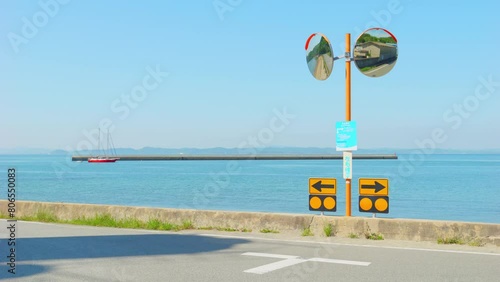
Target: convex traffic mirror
[
  {"x": 375, "y": 52},
  {"x": 319, "y": 56}
]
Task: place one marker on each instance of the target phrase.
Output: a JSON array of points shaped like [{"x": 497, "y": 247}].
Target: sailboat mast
[
  {"x": 104, "y": 158},
  {"x": 107, "y": 144},
  {"x": 99, "y": 142},
  {"x": 112, "y": 145}
]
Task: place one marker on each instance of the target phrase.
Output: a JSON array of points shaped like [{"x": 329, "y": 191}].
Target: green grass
[
  {"x": 365, "y": 69},
  {"x": 41, "y": 216},
  {"x": 187, "y": 224},
  {"x": 353, "y": 236},
  {"x": 374, "y": 236},
  {"x": 132, "y": 223},
  {"x": 328, "y": 229},
  {"x": 267, "y": 230},
  {"x": 451, "y": 241},
  {"x": 227, "y": 229},
  {"x": 475, "y": 242},
  {"x": 166, "y": 226},
  {"x": 307, "y": 232},
  {"x": 153, "y": 224},
  {"x": 44, "y": 216},
  {"x": 205, "y": 228},
  {"x": 106, "y": 220},
  {"x": 455, "y": 240}
]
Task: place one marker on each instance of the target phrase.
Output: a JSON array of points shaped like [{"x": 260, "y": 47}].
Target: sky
[{"x": 233, "y": 73}]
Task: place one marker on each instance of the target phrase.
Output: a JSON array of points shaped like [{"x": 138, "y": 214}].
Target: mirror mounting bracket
[{"x": 347, "y": 56}]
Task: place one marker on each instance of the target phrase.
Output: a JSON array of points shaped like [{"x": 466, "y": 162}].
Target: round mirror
[
  {"x": 375, "y": 52},
  {"x": 319, "y": 56}
]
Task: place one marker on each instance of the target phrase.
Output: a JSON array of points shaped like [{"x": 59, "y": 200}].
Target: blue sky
[{"x": 233, "y": 65}]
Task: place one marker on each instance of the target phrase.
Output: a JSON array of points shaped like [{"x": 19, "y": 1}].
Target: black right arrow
[
  {"x": 377, "y": 186},
  {"x": 318, "y": 186}
]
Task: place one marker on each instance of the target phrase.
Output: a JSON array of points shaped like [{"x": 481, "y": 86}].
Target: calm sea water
[{"x": 444, "y": 187}]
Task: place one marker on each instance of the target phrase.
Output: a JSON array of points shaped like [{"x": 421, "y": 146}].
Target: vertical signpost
[
  {"x": 375, "y": 54},
  {"x": 348, "y": 116},
  {"x": 347, "y": 165},
  {"x": 347, "y": 141}
]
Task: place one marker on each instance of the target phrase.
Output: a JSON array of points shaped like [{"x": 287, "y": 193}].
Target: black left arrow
[
  {"x": 377, "y": 186},
  {"x": 318, "y": 186}
]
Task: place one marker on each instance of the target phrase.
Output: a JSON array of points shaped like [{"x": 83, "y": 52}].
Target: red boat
[
  {"x": 102, "y": 160},
  {"x": 110, "y": 150}
]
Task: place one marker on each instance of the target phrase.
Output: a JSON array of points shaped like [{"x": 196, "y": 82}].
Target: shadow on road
[
  {"x": 87, "y": 247},
  {"x": 22, "y": 270}
]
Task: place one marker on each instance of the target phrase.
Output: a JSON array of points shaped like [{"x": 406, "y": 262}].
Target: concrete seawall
[
  {"x": 400, "y": 229},
  {"x": 239, "y": 157}
]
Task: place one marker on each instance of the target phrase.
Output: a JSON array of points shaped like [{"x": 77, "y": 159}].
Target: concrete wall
[
  {"x": 366, "y": 62},
  {"x": 401, "y": 229},
  {"x": 377, "y": 50},
  {"x": 242, "y": 157},
  {"x": 378, "y": 53}
]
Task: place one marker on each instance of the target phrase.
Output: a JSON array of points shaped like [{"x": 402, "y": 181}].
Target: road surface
[
  {"x": 55, "y": 252},
  {"x": 380, "y": 70}
]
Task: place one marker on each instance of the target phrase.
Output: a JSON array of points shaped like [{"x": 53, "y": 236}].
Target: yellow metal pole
[{"x": 348, "y": 112}]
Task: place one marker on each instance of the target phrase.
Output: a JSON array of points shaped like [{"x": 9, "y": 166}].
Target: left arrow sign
[
  {"x": 318, "y": 186},
  {"x": 323, "y": 186}
]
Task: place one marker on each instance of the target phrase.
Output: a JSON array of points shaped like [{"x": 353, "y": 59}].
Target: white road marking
[
  {"x": 352, "y": 245},
  {"x": 292, "y": 260},
  {"x": 275, "y": 266},
  {"x": 340, "y": 261},
  {"x": 268, "y": 255},
  {"x": 376, "y": 69}
]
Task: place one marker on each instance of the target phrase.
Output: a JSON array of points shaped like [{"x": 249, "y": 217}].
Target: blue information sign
[{"x": 347, "y": 138}]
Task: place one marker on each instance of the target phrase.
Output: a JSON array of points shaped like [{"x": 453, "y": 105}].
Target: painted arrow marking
[{"x": 292, "y": 260}]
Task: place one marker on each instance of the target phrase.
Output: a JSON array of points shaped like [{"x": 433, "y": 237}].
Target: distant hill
[
  {"x": 25, "y": 151},
  {"x": 236, "y": 151}
]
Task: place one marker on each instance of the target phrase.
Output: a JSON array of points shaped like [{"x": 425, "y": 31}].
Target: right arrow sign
[{"x": 374, "y": 186}]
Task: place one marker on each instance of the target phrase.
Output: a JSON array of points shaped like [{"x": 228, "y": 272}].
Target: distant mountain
[
  {"x": 224, "y": 151},
  {"x": 25, "y": 151},
  {"x": 236, "y": 151},
  {"x": 58, "y": 152}
]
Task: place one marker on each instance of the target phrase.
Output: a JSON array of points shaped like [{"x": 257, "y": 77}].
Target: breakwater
[{"x": 241, "y": 157}]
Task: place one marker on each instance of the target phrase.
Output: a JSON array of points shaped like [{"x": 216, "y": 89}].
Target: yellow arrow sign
[
  {"x": 374, "y": 186},
  {"x": 323, "y": 186}
]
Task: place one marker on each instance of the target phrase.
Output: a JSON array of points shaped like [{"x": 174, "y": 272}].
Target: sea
[{"x": 456, "y": 187}]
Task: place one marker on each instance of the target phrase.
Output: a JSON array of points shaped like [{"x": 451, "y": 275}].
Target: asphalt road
[
  {"x": 381, "y": 70},
  {"x": 53, "y": 252}
]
